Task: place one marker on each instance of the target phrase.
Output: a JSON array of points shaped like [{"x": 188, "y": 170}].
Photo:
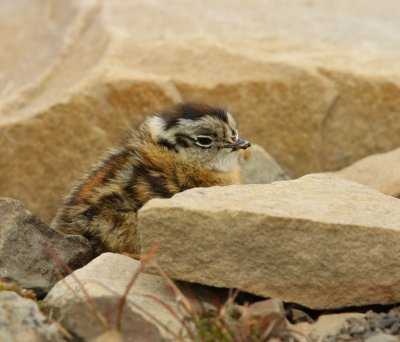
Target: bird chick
[{"x": 190, "y": 145}]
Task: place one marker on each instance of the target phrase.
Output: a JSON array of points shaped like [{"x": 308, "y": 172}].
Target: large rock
[
  {"x": 21, "y": 320},
  {"x": 85, "y": 324},
  {"x": 320, "y": 241},
  {"x": 380, "y": 172},
  {"x": 258, "y": 167},
  {"x": 29, "y": 249},
  {"x": 105, "y": 280},
  {"x": 316, "y": 83}
]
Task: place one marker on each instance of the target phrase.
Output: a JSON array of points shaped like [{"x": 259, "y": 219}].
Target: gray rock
[
  {"x": 395, "y": 328},
  {"x": 258, "y": 167},
  {"x": 320, "y": 241},
  {"x": 357, "y": 329},
  {"x": 381, "y": 337},
  {"x": 373, "y": 327},
  {"x": 21, "y": 320},
  {"x": 24, "y": 245}
]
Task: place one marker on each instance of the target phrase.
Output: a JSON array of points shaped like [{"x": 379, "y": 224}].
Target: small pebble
[
  {"x": 386, "y": 321},
  {"x": 395, "y": 329},
  {"x": 330, "y": 338},
  {"x": 376, "y": 327},
  {"x": 345, "y": 337},
  {"x": 382, "y": 338},
  {"x": 357, "y": 329}
]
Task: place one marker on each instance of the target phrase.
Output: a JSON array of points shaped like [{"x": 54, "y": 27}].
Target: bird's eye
[{"x": 204, "y": 141}]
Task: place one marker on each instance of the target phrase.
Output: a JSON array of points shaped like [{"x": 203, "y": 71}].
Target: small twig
[
  {"x": 178, "y": 293},
  {"x": 62, "y": 330},
  {"x": 269, "y": 329}
]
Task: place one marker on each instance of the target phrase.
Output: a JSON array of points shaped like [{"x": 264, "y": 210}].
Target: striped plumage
[{"x": 190, "y": 145}]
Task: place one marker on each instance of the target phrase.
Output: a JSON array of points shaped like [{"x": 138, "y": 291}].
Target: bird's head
[{"x": 203, "y": 135}]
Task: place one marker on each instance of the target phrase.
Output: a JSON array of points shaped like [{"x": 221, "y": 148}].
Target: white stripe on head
[
  {"x": 156, "y": 126},
  {"x": 231, "y": 120}
]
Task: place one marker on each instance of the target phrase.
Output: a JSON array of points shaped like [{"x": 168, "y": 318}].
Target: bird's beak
[{"x": 240, "y": 144}]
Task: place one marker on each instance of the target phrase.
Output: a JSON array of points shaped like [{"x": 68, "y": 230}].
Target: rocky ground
[
  {"x": 321, "y": 241},
  {"x": 316, "y": 83},
  {"x": 311, "y": 239}
]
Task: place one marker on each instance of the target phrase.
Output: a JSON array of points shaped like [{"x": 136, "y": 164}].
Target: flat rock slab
[
  {"x": 320, "y": 241},
  {"x": 105, "y": 280},
  {"x": 28, "y": 247}
]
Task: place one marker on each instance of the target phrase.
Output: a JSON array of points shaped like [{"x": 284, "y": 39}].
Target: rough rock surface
[
  {"x": 316, "y": 83},
  {"x": 108, "y": 336},
  {"x": 330, "y": 325},
  {"x": 79, "y": 319},
  {"x": 21, "y": 320},
  {"x": 379, "y": 171},
  {"x": 320, "y": 241},
  {"x": 373, "y": 327},
  {"x": 105, "y": 280},
  {"x": 24, "y": 245},
  {"x": 258, "y": 167}
]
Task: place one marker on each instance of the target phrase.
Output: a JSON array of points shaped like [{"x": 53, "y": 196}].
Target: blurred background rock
[{"x": 316, "y": 83}]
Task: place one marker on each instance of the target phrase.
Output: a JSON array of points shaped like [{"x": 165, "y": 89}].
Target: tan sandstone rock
[
  {"x": 379, "y": 171},
  {"x": 316, "y": 83},
  {"x": 108, "y": 336},
  {"x": 329, "y": 325},
  {"x": 320, "y": 241},
  {"x": 105, "y": 280}
]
